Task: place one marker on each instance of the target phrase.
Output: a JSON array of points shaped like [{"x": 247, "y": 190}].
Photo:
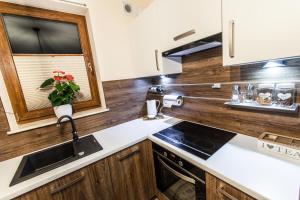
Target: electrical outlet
[{"x": 216, "y": 86}]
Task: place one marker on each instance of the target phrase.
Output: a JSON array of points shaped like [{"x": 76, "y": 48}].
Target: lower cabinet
[
  {"x": 132, "y": 173},
  {"x": 219, "y": 190},
  {"x": 128, "y": 174},
  {"x": 90, "y": 183}
]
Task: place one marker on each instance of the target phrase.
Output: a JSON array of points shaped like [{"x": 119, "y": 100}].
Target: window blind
[{"x": 34, "y": 69}]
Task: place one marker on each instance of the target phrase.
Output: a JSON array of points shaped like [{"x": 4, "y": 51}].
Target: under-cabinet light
[{"x": 274, "y": 63}]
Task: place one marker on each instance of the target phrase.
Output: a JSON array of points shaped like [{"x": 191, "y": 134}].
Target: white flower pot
[{"x": 63, "y": 110}]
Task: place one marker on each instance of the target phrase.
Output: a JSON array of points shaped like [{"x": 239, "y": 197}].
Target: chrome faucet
[{"x": 74, "y": 130}]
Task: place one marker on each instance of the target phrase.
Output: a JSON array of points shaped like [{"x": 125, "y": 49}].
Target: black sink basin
[{"x": 48, "y": 159}]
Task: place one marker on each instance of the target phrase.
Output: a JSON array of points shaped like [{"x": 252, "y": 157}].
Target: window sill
[{"x": 50, "y": 121}]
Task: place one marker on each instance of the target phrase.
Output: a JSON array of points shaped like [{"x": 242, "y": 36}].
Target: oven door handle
[{"x": 176, "y": 173}]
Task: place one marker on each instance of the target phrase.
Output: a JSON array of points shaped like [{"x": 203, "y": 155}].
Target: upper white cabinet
[
  {"x": 186, "y": 21},
  {"x": 145, "y": 42},
  {"x": 166, "y": 24},
  {"x": 260, "y": 30}
]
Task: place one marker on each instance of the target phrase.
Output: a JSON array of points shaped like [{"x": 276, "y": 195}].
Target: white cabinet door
[
  {"x": 146, "y": 45},
  {"x": 262, "y": 30},
  {"x": 197, "y": 18},
  {"x": 153, "y": 32},
  {"x": 145, "y": 42}
]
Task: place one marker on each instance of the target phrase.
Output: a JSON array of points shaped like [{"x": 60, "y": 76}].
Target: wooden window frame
[{"x": 10, "y": 74}]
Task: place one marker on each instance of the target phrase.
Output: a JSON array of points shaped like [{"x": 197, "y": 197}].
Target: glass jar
[
  {"x": 265, "y": 94},
  {"x": 236, "y": 94},
  {"x": 249, "y": 97},
  {"x": 285, "y": 94}
]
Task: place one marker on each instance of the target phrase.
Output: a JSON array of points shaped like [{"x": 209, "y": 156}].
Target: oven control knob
[
  {"x": 165, "y": 154},
  {"x": 180, "y": 163}
]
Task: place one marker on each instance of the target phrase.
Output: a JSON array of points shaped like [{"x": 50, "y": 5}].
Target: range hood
[{"x": 194, "y": 47}]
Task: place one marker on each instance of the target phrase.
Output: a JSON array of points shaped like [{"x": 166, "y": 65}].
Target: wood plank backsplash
[
  {"x": 124, "y": 98},
  {"x": 204, "y": 69}
]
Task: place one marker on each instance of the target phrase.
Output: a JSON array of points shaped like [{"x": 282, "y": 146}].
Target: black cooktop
[{"x": 200, "y": 140}]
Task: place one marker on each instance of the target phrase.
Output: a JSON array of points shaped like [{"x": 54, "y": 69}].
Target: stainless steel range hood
[{"x": 194, "y": 47}]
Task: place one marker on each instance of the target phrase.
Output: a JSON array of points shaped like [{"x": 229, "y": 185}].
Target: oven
[{"x": 176, "y": 178}]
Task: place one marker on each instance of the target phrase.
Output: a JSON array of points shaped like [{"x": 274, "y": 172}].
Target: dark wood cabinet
[
  {"x": 132, "y": 173},
  {"x": 100, "y": 176},
  {"x": 75, "y": 186},
  {"x": 128, "y": 174},
  {"x": 217, "y": 189},
  {"x": 90, "y": 183}
]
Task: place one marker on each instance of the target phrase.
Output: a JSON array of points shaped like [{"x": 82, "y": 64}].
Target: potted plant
[{"x": 63, "y": 94}]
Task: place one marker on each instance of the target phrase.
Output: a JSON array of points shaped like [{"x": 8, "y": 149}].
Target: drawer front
[{"x": 217, "y": 189}]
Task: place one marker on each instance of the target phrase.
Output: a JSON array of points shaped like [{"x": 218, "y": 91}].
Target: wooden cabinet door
[
  {"x": 219, "y": 190},
  {"x": 145, "y": 42},
  {"x": 257, "y": 30},
  {"x": 90, "y": 183},
  {"x": 132, "y": 173},
  {"x": 99, "y": 174},
  {"x": 76, "y": 186}
]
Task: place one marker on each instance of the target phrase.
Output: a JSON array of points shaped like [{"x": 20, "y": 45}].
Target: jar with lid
[
  {"x": 285, "y": 94},
  {"x": 265, "y": 94}
]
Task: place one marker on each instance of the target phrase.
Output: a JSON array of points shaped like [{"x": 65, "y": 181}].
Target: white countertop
[{"x": 238, "y": 162}]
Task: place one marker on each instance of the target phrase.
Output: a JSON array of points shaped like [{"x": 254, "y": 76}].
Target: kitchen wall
[
  {"x": 204, "y": 69},
  {"x": 124, "y": 98}
]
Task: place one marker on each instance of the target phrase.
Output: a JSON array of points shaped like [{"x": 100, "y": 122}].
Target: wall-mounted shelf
[{"x": 272, "y": 108}]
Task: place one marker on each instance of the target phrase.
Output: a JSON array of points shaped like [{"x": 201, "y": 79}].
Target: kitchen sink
[{"x": 43, "y": 161}]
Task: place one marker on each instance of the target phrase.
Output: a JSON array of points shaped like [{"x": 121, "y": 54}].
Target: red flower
[
  {"x": 58, "y": 75},
  {"x": 57, "y": 78},
  {"x": 69, "y": 77}
]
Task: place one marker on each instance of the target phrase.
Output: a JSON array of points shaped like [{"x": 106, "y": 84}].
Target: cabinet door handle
[
  {"x": 221, "y": 192},
  {"x": 55, "y": 190},
  {"x": 184, "y": 35},
  {"x": 135, "y": 150},
  {"x": 156, "y": 60},
  {"x": 231, "y": 38}
]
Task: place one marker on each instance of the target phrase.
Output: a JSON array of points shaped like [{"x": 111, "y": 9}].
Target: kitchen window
[{"x": 33, "y": 43}]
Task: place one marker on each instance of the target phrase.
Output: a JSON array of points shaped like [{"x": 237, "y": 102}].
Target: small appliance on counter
[
  {"x": 152, "y": 109},
  {"x": 155, "y": 111}
]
